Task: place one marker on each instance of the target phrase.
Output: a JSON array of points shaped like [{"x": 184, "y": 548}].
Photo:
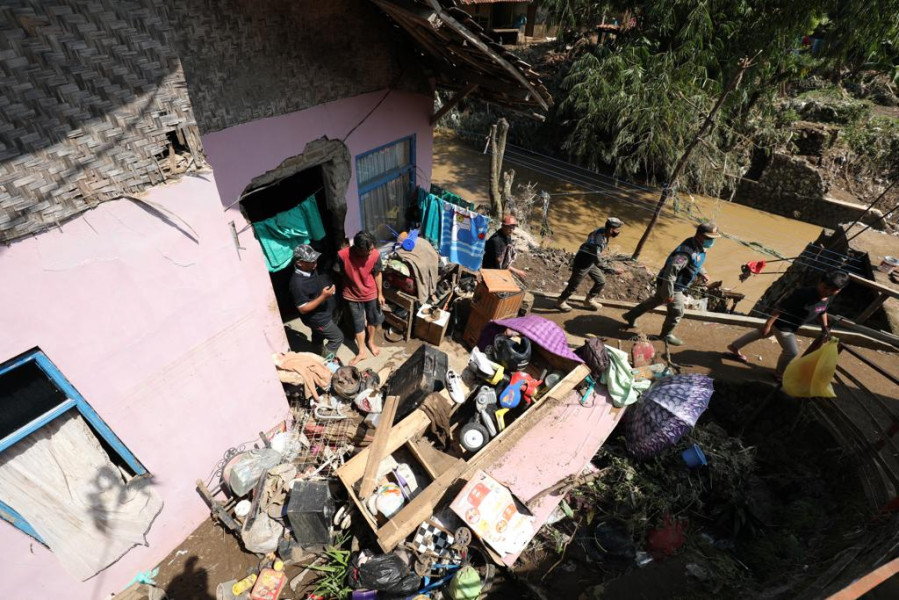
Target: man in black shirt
[
  {"x": 589, "y": 261},
  {"x": 499, "y": 253},
  {"x": 802, "y": 306},
  {"x": 313, "y": 294}
]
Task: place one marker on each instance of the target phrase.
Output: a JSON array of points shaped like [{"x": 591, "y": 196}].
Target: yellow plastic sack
[{"x": 810, "y": 376}]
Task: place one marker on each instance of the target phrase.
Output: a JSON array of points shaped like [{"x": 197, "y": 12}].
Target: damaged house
[{"x": 154, "y": 157}]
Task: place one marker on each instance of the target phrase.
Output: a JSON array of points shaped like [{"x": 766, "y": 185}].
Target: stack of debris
[{"x": 451, "y": 472}]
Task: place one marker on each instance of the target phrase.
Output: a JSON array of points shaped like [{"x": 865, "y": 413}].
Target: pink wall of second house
[
  {"x": 240, "y": 154},
  {"x": 145, "y": 313}
]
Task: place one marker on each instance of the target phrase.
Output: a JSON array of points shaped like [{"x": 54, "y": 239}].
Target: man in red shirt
[{"x": 361, "y": 267}]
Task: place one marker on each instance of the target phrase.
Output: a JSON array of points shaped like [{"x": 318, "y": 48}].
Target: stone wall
[{"x": 789, "y": 186}]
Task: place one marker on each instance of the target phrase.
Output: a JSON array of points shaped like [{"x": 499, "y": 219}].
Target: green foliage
[
  {"x": 636, "y": 102},
  {"x": 876, "y": 141},
  {"x": 333, "y": 583}
]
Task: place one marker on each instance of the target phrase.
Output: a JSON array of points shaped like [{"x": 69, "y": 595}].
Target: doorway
[{"x": 280, "y": 197}]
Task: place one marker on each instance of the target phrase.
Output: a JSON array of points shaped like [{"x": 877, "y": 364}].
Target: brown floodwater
[{"x": 464, "y": 170}]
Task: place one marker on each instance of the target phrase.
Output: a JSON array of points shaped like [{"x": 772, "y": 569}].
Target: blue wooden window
[
  {"x": 33, "y": 392},
  {"x": 386, "y": 178}
]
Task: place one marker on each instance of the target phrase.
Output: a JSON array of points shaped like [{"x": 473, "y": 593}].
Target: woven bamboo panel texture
[
  {"x": 251, "y": 59},
  {"x": 93, "y": 107}
]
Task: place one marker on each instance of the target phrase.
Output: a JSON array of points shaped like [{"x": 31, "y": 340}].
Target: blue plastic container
[
  {"x": 694, "y": 457},
  {"x": 409, "y": 243}
]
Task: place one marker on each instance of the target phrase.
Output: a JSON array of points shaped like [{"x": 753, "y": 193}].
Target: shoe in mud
[
  {"x": 592, "y": 303},
  {"x": 630, "y": 320},
  {"x": 564, "y": 306}
]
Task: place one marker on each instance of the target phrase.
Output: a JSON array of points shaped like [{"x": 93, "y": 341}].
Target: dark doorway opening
[{"x": 282, "y": 195}]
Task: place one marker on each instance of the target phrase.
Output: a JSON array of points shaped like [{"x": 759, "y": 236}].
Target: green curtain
[{"x": 280, "y": 234}]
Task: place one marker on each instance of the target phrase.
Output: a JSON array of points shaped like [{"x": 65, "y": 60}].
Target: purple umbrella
[{"x": 666, "y": 412}]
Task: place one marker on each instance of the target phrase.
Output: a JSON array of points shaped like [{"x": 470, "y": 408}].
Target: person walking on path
[
  {"x": 499, "y": 253},
  {"x": 803, "y": 306},
  {"x": 313, "y": 295},
  {"x": 361, "y": 267},
  {"x": 589, "y": 261},
  {"x": 683, "y": 265}
]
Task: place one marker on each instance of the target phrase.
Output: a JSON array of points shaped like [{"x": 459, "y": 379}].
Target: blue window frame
[
  {"x": 386, "y": 178},
  {"x": 20, "y": 419}
]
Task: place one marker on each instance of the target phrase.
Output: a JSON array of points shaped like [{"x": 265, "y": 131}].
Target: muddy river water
[{"x": 460, "y": 167}]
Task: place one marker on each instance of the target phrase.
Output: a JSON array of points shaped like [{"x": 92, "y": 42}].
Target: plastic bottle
[{"x": 243, "y": 585}]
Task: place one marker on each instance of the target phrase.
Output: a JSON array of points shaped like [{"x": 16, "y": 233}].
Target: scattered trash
[
  {"x": 694, "y": 457},
  {"x": 242, "y": 473},
  {"x": 384, "y": 573},
  {"x": 269, "y": 585},
  {"x": 665, "y": 540}
]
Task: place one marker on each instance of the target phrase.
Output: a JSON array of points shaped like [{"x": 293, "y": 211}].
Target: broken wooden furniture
[
  {"x": 407, "y": 303},
  {"x": 447, "y": 472}
]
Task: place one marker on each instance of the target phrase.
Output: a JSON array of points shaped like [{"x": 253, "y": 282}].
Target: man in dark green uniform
[
  {"x": 683, "y": 266},
  {"x": 589, "y": 262}
]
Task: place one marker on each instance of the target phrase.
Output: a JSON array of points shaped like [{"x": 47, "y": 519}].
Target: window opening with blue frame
[
  {"x": 386, "y": 177},
  {"x": 33, "y": 392}
]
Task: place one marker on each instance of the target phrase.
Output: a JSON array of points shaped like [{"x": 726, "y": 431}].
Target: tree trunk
[
  {"x": 508, "y": 180},
  {"x": 498, "y": 134},
  {"x": 744, "y": 64}
]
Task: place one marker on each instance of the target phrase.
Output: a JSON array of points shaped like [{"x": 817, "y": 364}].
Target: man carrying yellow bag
[{"x": 799, "y": 308}]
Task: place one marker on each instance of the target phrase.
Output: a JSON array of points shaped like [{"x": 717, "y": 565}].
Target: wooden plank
[
  {"x": 423, "y": 505},
  {"x": 872, "y": 364},
  {"x": 860, "y": 335},
  {"x": 892, "y": 293},
  {"x": 859, "y": 587},
  {"x": 458, "y": 97},
  {"x": 378, "y": 449},
  {"x": 872, "y": 308},
  {"x": 410, "y": 427},
  {"x": 433, "y": 460}
]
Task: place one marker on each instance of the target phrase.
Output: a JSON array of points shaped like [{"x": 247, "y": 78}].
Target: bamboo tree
[{"x": 744, "y": 64}]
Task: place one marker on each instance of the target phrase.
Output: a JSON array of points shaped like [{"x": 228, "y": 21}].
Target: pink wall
[
  {"x": 160, "y": 335},
  {"x": 239, "y": 154}
]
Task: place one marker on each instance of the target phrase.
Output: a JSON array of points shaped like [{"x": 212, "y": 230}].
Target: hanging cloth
[
  {"x": 63, "y": 484},
  {"x": 430, "y": 207},
  {"x": 280, "y": 234},
  {"x": 619, "y": 379},
  {"x": 463, "y": 236}
]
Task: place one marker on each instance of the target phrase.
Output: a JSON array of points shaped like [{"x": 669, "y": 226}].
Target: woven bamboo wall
[
  {"x": 95, "y": 102},
  {"x": 92, "y": 94},
  {"x": 251, "y": 59}
]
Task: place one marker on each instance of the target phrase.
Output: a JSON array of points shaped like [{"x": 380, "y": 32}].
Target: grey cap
[
  {"x": 614, "y": 222},
  {"x": 709, "y": 230},
  {"x": 305, "y": 253}
]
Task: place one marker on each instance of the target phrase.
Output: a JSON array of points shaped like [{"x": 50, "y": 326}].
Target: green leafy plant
[{"x": 333, "y": 583}]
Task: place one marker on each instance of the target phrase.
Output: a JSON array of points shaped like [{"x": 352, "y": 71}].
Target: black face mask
[{"x": 614, "y": 233}]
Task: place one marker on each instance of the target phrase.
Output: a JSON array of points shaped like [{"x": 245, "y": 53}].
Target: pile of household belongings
[{"x": 281, "y": 501}]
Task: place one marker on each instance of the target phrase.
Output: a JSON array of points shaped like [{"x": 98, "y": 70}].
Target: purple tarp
[{"x": 540, "y": 331}]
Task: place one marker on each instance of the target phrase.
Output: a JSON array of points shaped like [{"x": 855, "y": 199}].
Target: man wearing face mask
[
  {"x": 681, "y": 268},
  {"x": 589, "y": 261}
]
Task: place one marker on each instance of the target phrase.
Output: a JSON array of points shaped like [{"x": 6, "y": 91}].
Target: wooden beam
[
  {"x": 479, "y": 44},
  {"x": 872, "y": 364},
  {"x": 460, "y": 95},
  {"x": 378, "y": 449},
  {"x": 872, "y": 308},
  {"x": 422, "y": 506},
  {"x": 859, "y": 335},
  {"x": 892, "y": 293},
  {"x": 867, "y": 583}
]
